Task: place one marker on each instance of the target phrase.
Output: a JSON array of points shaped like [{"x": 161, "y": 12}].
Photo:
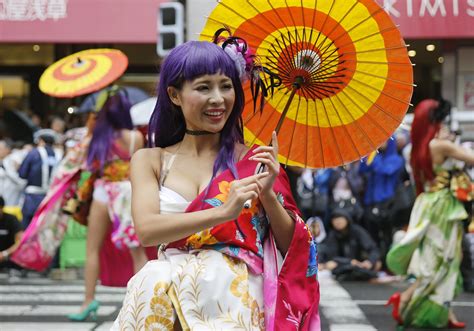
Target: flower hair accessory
[
  {"x": 233, "y": 50},
  {"x": 247, "y": 66}
]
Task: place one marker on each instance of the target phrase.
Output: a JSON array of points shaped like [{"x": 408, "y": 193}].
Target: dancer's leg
[
  {"x": 406, "y": 295},
  {"x": 98, "y": 224}
]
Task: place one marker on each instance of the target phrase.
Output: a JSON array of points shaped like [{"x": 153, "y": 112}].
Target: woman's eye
[
  {"x": 227, "y": 86},
  {"x": 202, "y": 88}
]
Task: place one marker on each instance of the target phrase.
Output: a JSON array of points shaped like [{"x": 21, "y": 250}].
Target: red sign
[
  {"x": 135, "y": 21},
  {"x": 432, "y": 18},
  {"x": 79, "y": 21}
]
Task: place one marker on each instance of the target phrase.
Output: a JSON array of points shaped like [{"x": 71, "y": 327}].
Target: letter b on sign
[{"x": 170, "y": 27}]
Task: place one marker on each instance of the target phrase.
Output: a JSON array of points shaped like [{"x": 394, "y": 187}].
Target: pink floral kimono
[
  {"x": 47, "y": 228},
  {"x": 49, "y": 224},
  {"x": 231, "y": 276}
]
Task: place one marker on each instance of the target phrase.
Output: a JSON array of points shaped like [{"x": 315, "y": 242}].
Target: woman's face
[
  {"x": 206, "y": 102},
  {"x": 315, "y": 229}
]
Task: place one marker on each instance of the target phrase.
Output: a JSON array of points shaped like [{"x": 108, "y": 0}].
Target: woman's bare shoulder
[
  {"x": 147, "y": 157},
  {"x": 442, "y": 148}
]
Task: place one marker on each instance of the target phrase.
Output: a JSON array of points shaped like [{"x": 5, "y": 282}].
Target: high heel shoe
[
  {"x": 456, "y": 325},
  {"x": 91, "y": 310},
  {"x": 395, "y": 301}
]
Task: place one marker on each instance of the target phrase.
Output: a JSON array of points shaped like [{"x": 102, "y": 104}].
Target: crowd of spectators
[{"x": 359, "y": 207}]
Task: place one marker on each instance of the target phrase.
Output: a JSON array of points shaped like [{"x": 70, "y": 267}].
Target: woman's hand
[
  {"x": 268, "y": 155},
  {"x": 242, "y": 190}
]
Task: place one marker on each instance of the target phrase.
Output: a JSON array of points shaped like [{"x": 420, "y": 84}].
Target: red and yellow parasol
[
  {"x": 83, "y": 72},
  {"x": 346, "y": 78}
]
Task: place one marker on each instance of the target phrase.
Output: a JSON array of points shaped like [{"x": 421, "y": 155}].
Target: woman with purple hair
[
  {"x": 112, "y": 144},
  {"x": 220, "y": 265}
]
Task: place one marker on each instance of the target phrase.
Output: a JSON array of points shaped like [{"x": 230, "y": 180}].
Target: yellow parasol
[
  {"x": 83, "y": 72},
  {"x": 346, "y": 79}
]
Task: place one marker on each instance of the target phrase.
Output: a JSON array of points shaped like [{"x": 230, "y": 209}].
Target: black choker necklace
[{"x": 197, "y": 132}]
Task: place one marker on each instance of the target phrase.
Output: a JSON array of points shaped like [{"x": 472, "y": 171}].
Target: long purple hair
[
  {"x": 113, "y": 116},
  {"x": 186, "y": 63}
]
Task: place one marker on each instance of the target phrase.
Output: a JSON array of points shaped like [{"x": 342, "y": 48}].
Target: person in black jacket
[
  {"x": 349, "y": 251},
  {"x": 11, "y": 233}
]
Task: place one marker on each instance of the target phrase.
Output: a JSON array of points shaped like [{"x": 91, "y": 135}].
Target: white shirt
[{"x": 11, "y": 185}]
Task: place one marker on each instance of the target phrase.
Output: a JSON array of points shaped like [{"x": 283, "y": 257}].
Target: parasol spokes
[{"x": 344, "y": 76}]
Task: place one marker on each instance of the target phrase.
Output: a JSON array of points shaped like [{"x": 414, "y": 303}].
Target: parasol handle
[{"x": 296, "y": 86}]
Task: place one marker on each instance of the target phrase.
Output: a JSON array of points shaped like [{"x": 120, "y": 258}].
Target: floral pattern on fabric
[
  {"x": 313, "y": 260},
  {"x": 256, "y": 225},
  {"x": 48, "y": 226},
  {"x": 162, "y": 308},
  {"x": 207, "y": 281},
  {"x": 116, "y": 170},
  {"x": 432, "y": 251},
  {"x": 206, "y": 290},
  {"x": 457, "y": 181},
  {"x": 240, "y": 288},
  {"x": 119, "y": 207},
  {"x": 201, "y": 239},
  {"x": 260, "y": 226}
]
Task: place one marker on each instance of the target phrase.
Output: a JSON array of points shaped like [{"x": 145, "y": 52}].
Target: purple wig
[
  {"x": 186, "y": 63},
  {"x": 113, "y": 116}
]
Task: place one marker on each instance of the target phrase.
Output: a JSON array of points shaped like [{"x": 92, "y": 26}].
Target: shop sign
[
  {"x": 432, "y": 18},
  {"x": 30, "y": 10},
  {"x": 79, "y": 21},
  {"x": 135, "y": 21}
]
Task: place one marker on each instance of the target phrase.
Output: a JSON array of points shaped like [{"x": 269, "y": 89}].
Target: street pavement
[{"x": 39, "y": 303}]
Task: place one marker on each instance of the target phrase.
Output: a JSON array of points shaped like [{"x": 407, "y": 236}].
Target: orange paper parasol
[
  {"x": 83, "y": 72},
  {"x": 346, "y": 79}
]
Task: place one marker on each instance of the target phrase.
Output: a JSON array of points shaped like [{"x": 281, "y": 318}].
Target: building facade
[{"x": 35, "y": 33}]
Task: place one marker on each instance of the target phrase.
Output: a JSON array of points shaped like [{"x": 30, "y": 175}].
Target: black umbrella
[{"x": 135, "y": 95}]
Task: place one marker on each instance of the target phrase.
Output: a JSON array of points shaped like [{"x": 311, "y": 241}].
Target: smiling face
[{"x": 206, "y": 102}]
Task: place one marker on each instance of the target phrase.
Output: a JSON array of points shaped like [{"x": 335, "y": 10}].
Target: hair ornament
[
  {"x": 104, "y": 95},
  {"x": 248, "y": 66}
]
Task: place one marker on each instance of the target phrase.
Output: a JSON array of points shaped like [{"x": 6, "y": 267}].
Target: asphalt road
[{"x": 38, "y": 303}]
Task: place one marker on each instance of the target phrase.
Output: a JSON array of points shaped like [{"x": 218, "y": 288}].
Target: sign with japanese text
[
  {"x": 79, "y": 21},
  {"x": 135, "y": 21},
  {"x": 27, "y": 10}
]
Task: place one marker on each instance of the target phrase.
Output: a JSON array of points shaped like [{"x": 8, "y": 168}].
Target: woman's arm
[
  {"x": 281, "y": 223},
  {"x": 447, "y": 148},
  {"x": 152, "y": 228}
]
